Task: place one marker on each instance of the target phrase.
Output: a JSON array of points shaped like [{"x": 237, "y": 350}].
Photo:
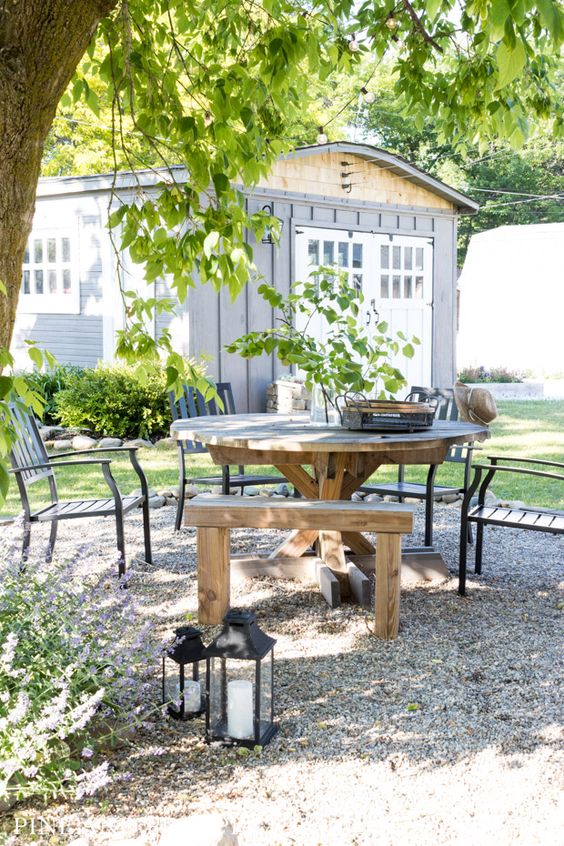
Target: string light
[
  {"x": 391, "y": 22},
  {"x": 321, "y": 137},
  {"x": 368, "y": 96}
]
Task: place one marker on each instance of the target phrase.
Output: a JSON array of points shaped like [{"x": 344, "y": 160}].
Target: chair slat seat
[
  {"x": 413, "y": 489},
  {"x": 84, "y": 508}
]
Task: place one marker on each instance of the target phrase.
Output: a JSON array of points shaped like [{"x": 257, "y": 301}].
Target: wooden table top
[{"x": 295, "y": 433}]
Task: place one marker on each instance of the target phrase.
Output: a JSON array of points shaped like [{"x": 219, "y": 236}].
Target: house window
[{"x": 49, "y": 279}]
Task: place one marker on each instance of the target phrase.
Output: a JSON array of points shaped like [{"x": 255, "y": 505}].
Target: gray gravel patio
[{"x": 450, "y": 734}]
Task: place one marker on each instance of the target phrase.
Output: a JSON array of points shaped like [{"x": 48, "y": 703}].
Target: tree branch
[{"x": 419, "y": 26}]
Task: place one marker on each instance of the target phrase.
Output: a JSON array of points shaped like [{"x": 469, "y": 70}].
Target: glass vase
[{"x": 323, "y": 410}]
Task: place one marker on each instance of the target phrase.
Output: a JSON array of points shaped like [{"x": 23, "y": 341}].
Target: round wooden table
[{"x": 340, "y": 461}]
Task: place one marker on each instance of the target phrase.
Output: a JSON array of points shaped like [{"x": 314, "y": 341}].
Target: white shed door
[{"x": 395, "y": 274}]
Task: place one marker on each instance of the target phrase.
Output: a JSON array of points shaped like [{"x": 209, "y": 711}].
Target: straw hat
[{"x": 475, "y": 405}]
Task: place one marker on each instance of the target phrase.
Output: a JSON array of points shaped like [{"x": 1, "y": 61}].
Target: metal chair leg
[
  {"x": 479, "y": 544},
  {"x": 26, "y": 541},
  {"x": 147, "y": 533},
  {"x": 52, "y": 539},
  {"x": 429, "y": 505}
]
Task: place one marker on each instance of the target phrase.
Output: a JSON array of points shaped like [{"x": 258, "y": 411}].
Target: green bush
[
  {"x": 49, "y": 383},
  {"x": 114, "y": 400},
  {"x": 494, "y": 374}
]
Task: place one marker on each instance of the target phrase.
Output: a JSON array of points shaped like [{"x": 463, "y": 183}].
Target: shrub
[
  {"x": 49, "y": 383},
  {"x": 114, "y": 400},
  {"x": 73, "y": 674},
  {"x": 494, "y": 374}
]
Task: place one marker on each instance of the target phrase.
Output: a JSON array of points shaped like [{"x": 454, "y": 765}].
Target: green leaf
[
  {"x": 210, "y": 243},
  {"x": 511, "y": 62}
]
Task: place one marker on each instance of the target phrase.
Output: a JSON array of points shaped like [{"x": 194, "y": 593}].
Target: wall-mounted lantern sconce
[{"x": 268, "y": 237}]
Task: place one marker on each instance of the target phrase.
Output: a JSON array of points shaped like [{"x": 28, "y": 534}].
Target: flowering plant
[{"x": 73, "y": 675}]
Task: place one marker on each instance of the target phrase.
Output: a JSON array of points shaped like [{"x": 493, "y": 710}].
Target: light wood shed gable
[{"x": 322, "y": 174}]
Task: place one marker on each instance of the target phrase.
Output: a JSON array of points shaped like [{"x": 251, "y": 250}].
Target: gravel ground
[{"x": 449, "y": 734}]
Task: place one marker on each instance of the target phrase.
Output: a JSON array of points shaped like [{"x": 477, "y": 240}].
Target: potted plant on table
[{"x": 347, "y": 358}]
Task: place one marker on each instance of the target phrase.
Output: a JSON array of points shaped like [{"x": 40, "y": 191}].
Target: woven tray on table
[{"x": 387, "y": 415}]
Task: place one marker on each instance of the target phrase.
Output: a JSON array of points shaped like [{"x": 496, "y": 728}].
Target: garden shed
[
  {"x": 391, "y": 226},
  {"x": 512, "y": 300}
]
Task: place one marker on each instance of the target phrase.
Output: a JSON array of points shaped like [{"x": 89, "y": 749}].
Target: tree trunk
[{"x": 41, "y": 44}]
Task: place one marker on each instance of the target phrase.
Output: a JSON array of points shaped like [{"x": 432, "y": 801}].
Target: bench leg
[
  {"x": 388, "y": 568},
  {"x": 213, "y": 575}
]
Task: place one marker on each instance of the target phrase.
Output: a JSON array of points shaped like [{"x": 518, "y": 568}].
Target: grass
[{"x": 528, "y": 429}]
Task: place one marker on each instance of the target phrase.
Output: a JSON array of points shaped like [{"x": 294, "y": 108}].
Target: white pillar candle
[
  {"x": 192, "y": 695},
  {"x": 240, "y": 709}
]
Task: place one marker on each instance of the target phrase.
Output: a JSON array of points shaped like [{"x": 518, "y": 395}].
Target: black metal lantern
[
  {"x": 268, "y": 238},
  {"x": 240, "y": 683},
  {"x": 182, "y": 689}
]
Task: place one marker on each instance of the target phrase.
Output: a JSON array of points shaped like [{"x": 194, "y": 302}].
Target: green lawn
[{"x": 529, "y": 429}]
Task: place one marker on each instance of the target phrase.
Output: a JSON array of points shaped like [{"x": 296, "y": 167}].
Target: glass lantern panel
[
  {"x": 232, "y": 698},
  {"x": 266, "y": 672},
  {"x": 171, "y": 691}
]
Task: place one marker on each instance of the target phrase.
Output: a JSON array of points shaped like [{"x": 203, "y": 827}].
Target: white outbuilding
[{"x": 512, "y": 300}]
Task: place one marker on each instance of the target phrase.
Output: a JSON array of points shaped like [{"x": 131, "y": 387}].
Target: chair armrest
[
  {"x": 516, "y": 459},
  {"x": 496, "y": 468},
  {"x": 62, "y": 464},
  {"x": 91, "y": 451}
]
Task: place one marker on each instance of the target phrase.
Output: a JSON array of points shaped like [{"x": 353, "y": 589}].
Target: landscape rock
[
  {"x": 265, "y": 492},
  {"x": 373, "y": 497},
  {"x": 190, "y": 491},
  {"x": 164, "y": 443},
  {"x": 200, "y": 830},
  {"x": 105, "y": 443},
  {"x": 61, "y": 444},
  {"x": 50, "y": 433},
  {"x": 450, "y": 498},
  {"x": 170, "y": 500},
  {"x": 137, "y": 492},
  {"x": 390, "y": 498},
  {"x": 138, "y": 442},
  {"x": 250, "y": 490},
  {"x": 167, "y": 494},
  {"x": 83, "y": 442},
  {"x": 157, "y": 501},
  {"x": 282, "y": 489},
  {"x": 358, "y": 496}
]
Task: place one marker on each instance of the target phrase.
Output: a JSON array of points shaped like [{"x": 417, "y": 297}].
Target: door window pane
[
  {"x": 357, "y": 281},
  {"x": 312, "y": 251},
  {"x": 396, "y": 287},
  {"x": 52, "y": 281},
  {"x": 51, "y": 250},
  {"x": 38, "y": 274},
  {"x": 385, "y": 287},
  {"x": 328, "y": 252},
  {"x": 25, "y": 282},
  {"x": 419, "y": 258},
  {"x": 396, "y": 257},
  {"x": 66, "y": 281},
  {"x": 26, "y": 254},
  {"x": 343, "y": 254},
  {"x": 66, "y": 249},
  {"x": 357, "y": 255},
  {"x": 408, "y": 287},
  {"x": 384, "y": 256},
  {"x": 38, "y": 251},
  {"x": 419, "y": 287},
  {"x": 408, "y": 258}
]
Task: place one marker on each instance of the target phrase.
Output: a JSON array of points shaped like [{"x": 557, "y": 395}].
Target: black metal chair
[
  {"x": 192, "y": 404},
  {"x": 30, "y": 463},
  {"x": 429, "y": 491}
]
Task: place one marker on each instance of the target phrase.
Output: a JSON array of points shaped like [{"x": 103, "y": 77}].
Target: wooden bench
[
  {"x": 530, "y": 518},
  {"x": 215, "y": 516}
]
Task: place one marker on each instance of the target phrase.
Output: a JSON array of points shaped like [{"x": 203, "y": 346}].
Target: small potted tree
[{"x": 346, "y": 359}]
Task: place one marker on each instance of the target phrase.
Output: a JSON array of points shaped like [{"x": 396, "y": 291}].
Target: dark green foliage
[
  {"x": 113, "y": 400},
  {"x": 48, "y": 383}
]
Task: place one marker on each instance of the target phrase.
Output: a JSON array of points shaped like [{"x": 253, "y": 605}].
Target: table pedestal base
[{"x": 420, "y": 564}]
